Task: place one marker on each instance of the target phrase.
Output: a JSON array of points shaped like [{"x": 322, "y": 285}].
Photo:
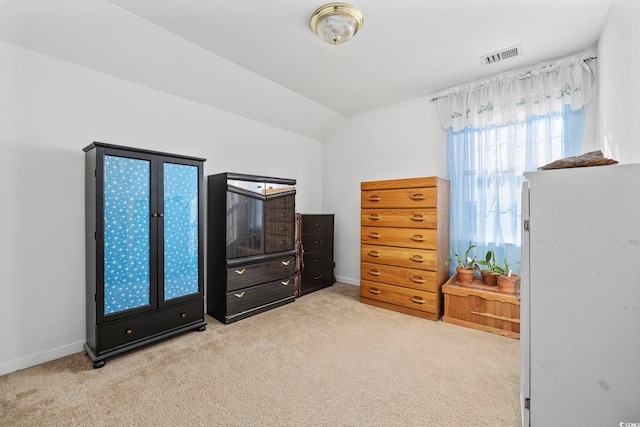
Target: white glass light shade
[{"x": 336, "y": 23}]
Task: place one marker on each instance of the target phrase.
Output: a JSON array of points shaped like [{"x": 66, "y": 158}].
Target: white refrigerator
[{"x": 580, "y": 297}]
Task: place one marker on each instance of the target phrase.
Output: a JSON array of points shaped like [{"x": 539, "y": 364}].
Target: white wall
[
  {"x": 403, "y": 140},
  {"x": 50, "y": 110},
  {"x": 619, "y": 71}
]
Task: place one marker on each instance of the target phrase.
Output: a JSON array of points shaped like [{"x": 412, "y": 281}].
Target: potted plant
[
  {"x": 505, "y": 278},
  {"x": 466, "y": 266},
  {"x": 489, "y": 276}
]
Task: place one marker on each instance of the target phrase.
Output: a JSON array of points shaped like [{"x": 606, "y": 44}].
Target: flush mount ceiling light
[{"x": 336, "y": 23}]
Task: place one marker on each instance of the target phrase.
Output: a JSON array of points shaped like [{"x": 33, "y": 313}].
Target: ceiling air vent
[{"x": 501, "y": 55}]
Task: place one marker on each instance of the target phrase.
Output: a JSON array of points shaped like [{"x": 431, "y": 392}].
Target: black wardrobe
[{"x": 251, "y": 257}]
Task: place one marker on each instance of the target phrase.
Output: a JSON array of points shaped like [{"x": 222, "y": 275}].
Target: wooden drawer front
[
  {"x": 276, "y": 243},
  {"x": 421, "y": 259},
  {"x": 492, "y": 314},
  {"x": 318, "y": 277},
  {"x": 405, "y": 297},
  {"x": 115, "y": 334},
  {"x": 319, "y": 242},
  {"x": 406, "y": 198},
  {"x": 403, "y": 237},
  {"x": 249, "y": 275},
  {"x": 406, "y": 277},
  {"x": 312, "y": 224},
  {"x": 316, "y": 260},
  {"x": 245, "y": 299},
  {"x": 406, "y": 218}
]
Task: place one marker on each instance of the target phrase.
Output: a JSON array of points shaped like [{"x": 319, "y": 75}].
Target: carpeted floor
[{"x": 324, "y": 360}]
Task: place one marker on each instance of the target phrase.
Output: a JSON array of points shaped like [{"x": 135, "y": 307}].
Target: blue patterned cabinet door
[
  {"x": 127, "y": 201},
  {"x": 181, "y": 275}
]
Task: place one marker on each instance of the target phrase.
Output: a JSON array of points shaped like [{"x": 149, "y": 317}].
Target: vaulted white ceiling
[{"x": 260, "y": 59}]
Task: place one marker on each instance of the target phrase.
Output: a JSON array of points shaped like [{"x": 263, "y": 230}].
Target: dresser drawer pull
[
  {"x": 240, "y": 295},
  {"x": 417, "y": 218},
  {"x": 374, "y": 217},
  {"x": 286, "y": 282},
  {"x": 417, "y": 279},
  {"x": 373, "y": 254},
  {"x": 418, "y": 300},
  {"x": 374, "y": 235},
  {"x": 283, "y": 215},
  {"x": 183, "y": 315},
  {"x": 418, "y": 238},
  {"x": 417, "y": 197},
  {"x": 240, "y": 271},
  {"x": 317, "y": 277},
  {"x": 284, "y": 228},
  {"x": 318, "y": 224},
  {"x": 317, "y": 242},
  {"x": 129, "y": 331},
  {"x": 374, "y": 272},
  {"x": 374, "y": 291},
  {"x": 417, "y": 258},
  {"x": 374, "y": 198},
  {"x": 286, "y": 262}
]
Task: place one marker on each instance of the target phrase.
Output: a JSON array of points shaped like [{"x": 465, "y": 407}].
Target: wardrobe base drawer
[
  {"x": 406, "y": 300},
  {"x": 247, "y": 299}
]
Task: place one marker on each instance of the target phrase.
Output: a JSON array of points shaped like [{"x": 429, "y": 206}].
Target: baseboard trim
[
  {"x": 38, "y": 358},
  {"x": 348, "y": 280}
]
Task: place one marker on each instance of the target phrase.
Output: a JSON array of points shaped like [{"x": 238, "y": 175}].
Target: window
[{"x": 485, "y": 167}]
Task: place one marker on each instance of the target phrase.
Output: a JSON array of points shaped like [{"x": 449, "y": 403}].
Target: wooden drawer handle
[
  {"x": 286, "y": 262},
  {"x": 373, "y": 272},
  {"x": 418, "y": 300},
  {"x": 417, "y": 218},
  {"x": 374, "y": 217},
  {"x": 418, "y": 238},
  {"x": 417, "y": 279},
  {"x": 374, "y": 198},
  {"x": 374, "y": 235},
  {"x": 417, "y": 258},
  {"x": 240, "y": 295},
  {"x": 240, "y": 271},
  {"x": 285, "y": 283},
  {"x": 373, "y": 254},
  {"x": 417, "y": 197},
  {"x": 374, "y": 291}
]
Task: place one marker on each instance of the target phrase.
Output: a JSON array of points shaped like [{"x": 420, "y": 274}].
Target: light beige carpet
[{"x": 324, "y": 360}]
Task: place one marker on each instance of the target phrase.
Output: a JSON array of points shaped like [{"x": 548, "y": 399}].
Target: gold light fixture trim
[{"x": 336, "y": 23}]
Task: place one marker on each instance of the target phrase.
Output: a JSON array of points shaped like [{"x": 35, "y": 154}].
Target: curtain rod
[{"x": 587, "y": 60}]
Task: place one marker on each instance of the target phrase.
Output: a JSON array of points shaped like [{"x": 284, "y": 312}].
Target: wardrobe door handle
[
  {"x": 418, "y": 238},
  {"x": 417, "y": 300},
  {"x": 373, "y": 254},
  {"x": 240, "y": 271},
  {"x": 417, "y": 279},
  {"x": 417, "y": 258},
  {"x": 373, "y": 272},
  {"x": 374, "y": 217},
  {"x": 417, "y": 218},
  {"x": 417, "y": 197},
  {"x": 374, "y": 235},
  {"x": 374, "y": 198},
  {"x": 374, "y": 291}
]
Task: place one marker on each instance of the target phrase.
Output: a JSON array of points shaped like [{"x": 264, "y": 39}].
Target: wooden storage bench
[{"x": 481, "y": 307}]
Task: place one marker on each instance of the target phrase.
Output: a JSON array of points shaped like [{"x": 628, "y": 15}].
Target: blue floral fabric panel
[
  {"x": 126, "y": 233},
  {"x": 180, "y": 230}
]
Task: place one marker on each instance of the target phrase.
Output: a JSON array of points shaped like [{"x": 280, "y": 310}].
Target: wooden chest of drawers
[
  {"x": 404, "y": 244},
  {"x": 481, "y": 307},
  {"x": 316, "y": 252}
]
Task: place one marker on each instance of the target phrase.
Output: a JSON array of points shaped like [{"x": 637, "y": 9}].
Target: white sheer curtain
[
  {"x": 496, "y": 130},
  {"x": 510, "y": 98}
]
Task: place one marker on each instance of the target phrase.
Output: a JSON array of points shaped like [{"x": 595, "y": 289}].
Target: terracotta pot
[
  {"x": 489, "y": 278},
  {"x": 465, "y": 277},
  {"x": 507, "y": 284}
]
